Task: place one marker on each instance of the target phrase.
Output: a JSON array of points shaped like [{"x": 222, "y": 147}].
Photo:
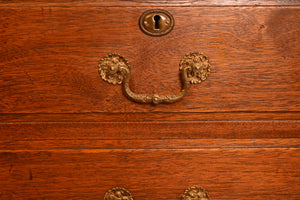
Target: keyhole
[{"x": 156, "y": 19}]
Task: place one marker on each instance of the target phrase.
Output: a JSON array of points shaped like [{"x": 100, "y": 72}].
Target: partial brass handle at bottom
[
  {"x": 192, "y": 193},
  {"x": 194, "y": 68}
]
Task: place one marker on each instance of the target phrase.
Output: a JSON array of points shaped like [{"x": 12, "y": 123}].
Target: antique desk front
[{"x": 65, "y": 133}]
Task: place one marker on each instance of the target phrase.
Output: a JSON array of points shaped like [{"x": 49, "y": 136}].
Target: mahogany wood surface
[
  {"x": 147, "y": 116},
  {"x": 150, "y": 130},
  {"x": 49, "y": 144},
  {"x": 67, "y": 134},
  {"x": 238, "y": 173},
  {"x": 49, "y": 59},
  {"x": 147, "y": 3}
]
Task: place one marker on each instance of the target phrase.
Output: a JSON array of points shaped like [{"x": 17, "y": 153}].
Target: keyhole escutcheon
[
  {"x": 156, "y": 19},
  {"x": 156, "y": 22}
]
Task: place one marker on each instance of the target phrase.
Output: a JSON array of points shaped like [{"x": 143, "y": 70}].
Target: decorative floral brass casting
[
  {"x": 118, "y": 194},
  {"x": 195, "y": 193},
  {"x": 192, "y": 193},
  {"x": 194, "y": 68}
]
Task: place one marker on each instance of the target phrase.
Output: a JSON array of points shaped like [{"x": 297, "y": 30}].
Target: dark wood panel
[
  {"x": 151, "y": 174},
  {"x": 148, "y": 3},
  {"x": 150, "y": 130},
  {"x": 49, "y": 59}
]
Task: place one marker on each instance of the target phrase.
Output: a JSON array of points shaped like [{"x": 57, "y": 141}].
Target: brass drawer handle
[
  {"x": 194, "y": 68},
  {"x": 192, "y": 193}
]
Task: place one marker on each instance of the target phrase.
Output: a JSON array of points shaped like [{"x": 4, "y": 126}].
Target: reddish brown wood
[
  {"x": 38, "y": 144},
  {"x": 149, "y": 116},
  {"x": 67, "y": 134},
  {"x": 49, "y": 59},
  {"x": 180, "y": 3},
  {"x": 259, "y": 173},
  {"x": 149, "y": 130}
]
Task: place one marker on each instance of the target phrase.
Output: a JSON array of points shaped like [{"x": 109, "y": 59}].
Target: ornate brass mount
[
  {"x": 194, "y": 68},
  {"x": 192, "y": 193},
  {"x": 118, "y": 194},
  {"x": 195, "y": 193}
]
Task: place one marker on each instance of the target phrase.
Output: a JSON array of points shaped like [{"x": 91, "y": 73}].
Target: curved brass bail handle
[{"x": 194, "y": 68}]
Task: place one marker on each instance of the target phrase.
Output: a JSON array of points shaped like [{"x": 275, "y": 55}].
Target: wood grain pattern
[
  {"x": 67, "y": 134},
  {"x": 146, "y": 116},
  {"x": 149, "y": 3},
  {"x": 42, "y": 144},
  {"x": 49, "y": 59},
  {"x": 246, "y": 174},
  {"x": 149, "y": 130}
]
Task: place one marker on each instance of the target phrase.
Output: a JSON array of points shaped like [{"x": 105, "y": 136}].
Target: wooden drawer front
[
  {"x": 67, "y": 134},
  {"x": 230, "y": 173},
  {"x": 49, "y": 59}
]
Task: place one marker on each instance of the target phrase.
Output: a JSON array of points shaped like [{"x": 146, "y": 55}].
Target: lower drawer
[{"x": 226, "y": 173}]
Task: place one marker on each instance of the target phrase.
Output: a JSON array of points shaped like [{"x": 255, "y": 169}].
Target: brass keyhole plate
[{"x": 156, "y": 22}]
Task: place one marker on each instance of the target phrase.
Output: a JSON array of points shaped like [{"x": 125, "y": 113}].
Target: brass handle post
[{"x": 194, "y": 68}]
